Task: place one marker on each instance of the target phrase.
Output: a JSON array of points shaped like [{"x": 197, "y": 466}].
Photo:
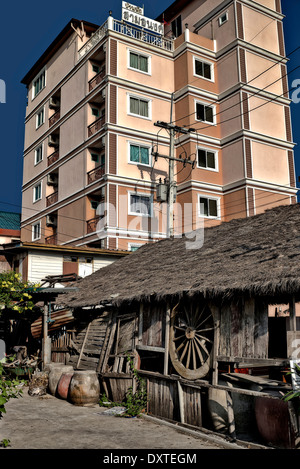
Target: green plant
[
  {"x": 292, "y": 394},
  {"x": 136, "y": 401},
  {"x": 9, "y": 389},
  {"x": 15, "y": 294},
  {"x": 4, "y": 443}
]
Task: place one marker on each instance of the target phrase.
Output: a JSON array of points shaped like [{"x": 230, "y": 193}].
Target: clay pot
[
  {"x": 84, "y": 388},
  {"x": 54, "y": 376},
  {"x": 64, "y": 384}
]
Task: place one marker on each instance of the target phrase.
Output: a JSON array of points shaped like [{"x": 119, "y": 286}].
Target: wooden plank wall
[
  {"x": 153, "y": 325},
  {"x": 244, "y": 329}
]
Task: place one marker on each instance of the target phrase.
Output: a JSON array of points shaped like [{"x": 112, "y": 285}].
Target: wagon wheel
[{"x": 191, "y": 339}]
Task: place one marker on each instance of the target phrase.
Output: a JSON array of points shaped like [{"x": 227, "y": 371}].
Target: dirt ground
[{"x": 51, "y": 423}]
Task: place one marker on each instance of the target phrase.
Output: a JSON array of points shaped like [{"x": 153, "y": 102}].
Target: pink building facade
[{"x": 90, "y": 170}]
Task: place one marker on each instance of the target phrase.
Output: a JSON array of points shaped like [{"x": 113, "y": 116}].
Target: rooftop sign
[{"x": 134, "y": 14}]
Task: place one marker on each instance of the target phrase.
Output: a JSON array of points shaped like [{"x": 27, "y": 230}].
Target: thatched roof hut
[
  {"x": 190, "y": 315},
  {"x": 256, "y": 256}
]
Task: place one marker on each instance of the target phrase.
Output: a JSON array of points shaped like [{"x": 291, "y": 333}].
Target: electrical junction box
[{"x": 161, "y": 192}]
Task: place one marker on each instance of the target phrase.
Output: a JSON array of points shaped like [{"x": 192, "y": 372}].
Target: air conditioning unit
[
  {"x": 54, "y": 103},
  {"x": 52, "y": 179},
  {"x": 103, "y": 93},
  {"x": 51, "y": 220},
  {"x": 53, "y": 140}
]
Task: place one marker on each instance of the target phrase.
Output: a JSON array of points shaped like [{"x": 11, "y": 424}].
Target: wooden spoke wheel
[{"x": 191, "y": 339}]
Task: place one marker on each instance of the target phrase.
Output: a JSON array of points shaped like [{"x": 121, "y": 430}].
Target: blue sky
[{"x": 27, "y": 29}]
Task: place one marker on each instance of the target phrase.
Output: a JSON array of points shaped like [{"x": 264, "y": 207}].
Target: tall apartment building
[{"x": 90, "y": 161}]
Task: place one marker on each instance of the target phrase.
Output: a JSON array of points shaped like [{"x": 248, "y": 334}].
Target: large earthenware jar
[
  {"x": 62, "y": 390},
  {"x": 54, "y": 376},
  {"x": 84, "y": 388}
]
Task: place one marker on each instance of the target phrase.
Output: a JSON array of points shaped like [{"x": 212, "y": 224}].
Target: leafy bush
[
  {"x": 9, "y": 388},
  {"x": 14, "y": 293}
]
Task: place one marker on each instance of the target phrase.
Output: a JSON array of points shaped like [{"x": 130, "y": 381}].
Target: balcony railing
[
  {"x": 54, "y": 118},
  {"x": 140, "y": 34},
  {"x": 143, "y": 35},
  {"x": 91, "y": 225},
  {"x": 51, "y": 199},
  {"x": 53, "y": 157},
  {"x": 95, "y": 174},
  {"x": 96, "y": 79},
  {"x": 51, "y": 239},
  {"x": 95, "y": 126},
  {"x": 95, "y": 39}
]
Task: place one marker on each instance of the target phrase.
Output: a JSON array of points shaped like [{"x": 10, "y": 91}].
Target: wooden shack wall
[{"x": 244, "y": 329}]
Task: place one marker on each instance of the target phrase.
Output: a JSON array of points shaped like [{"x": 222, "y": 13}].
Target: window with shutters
[
  {"x": 39, "y": 83},
  {"x": 209, "y": 207},
  {"x": 205, "y": 113},
  {"x": 139, "y": 154},
  {"x": 140, "y": 204},
  {"x": 36, "y": 231},
  {"x": 176, "y": 26},
  {"x": 203, "y": 69},
  {"x": 139, "y": 107},
  {"x": 207, "y": 159},
  {"x": 139, "y": 62}
]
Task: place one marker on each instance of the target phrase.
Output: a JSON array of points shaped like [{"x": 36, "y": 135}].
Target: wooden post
[
  {"x": 293, "y": 324},
  {"x": 167, "y": 338},
  {"x": 216, "y": 314},
  {"x": 181, "y": 401},
  {"x": 46, "y": 343}
]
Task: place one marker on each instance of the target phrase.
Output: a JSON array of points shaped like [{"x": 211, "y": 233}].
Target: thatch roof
[{"x": 255, "y": 256}]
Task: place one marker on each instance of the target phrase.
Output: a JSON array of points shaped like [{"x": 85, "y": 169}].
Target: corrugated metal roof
[{"x": 10, "y": 220}]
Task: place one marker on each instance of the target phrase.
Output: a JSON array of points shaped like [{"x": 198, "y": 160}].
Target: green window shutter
[
  {"x": 143, "y": 108},
  {"x": 134, "y": 153},
  {"x": 134, "y": 105},
  {"x": 144, "y": 155},
  {"x": 134, "y": 60},
  {"x": 143, "y": 64}
]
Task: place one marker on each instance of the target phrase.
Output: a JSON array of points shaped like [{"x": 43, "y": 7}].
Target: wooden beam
[
  {"x": 167, "y": 338},
  {"x": 83, "y": 344},
  {"x": 181, "y": 401}
]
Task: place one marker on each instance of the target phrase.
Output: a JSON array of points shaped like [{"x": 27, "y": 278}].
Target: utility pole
[{"x": 173, "y": 129}]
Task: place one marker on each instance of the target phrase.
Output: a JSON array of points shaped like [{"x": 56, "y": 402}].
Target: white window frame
[
  {"x": 41, "y": 146},
  {"x": 220, "y": 18},
  {"x": 208, "y": 197},
  {"x": 140, "y": 194},
  {"x": 34, "y": 192},
  {"x": 34, "y": 95},
  {"x": 138, "y": 144},
  {"x": 142, "y": 98},
  {"x": 41, "y": 110},
  {"x": 134, "y": 245},
  {"x": 129, "y": 51},
  {"x": 33, "y": 231},
  {"x": 216, "y": 153},
  {"x": 208, "y": 105},
  {"x": 212, "y": 69}
]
